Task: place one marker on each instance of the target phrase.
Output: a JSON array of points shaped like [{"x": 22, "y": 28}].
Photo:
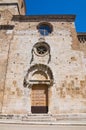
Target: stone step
[{"x": 40, "y": 118}]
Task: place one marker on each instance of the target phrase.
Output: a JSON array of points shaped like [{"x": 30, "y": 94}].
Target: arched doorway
[
  {"x": 39, "y": 98},
  {"x": 39, "y": 78}
]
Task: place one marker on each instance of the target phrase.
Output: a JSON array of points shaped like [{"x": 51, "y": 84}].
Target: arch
[{"x": 38, "y": 73}]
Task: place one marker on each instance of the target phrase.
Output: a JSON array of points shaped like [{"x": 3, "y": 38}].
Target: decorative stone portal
[
  {"x": 38, "y": 74},
  {"x": 39, "y": 98},
  {"x": 39, "y": 81}
]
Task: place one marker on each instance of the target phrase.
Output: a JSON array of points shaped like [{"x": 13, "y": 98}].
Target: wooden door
[{"x": 39, "y": 99}]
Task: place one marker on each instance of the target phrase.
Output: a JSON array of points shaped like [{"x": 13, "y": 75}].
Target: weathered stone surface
[
  {"x": 16, "y": 7},
  {"x": 63, "y": 68}
]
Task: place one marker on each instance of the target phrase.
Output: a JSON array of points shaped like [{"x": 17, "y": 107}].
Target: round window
[
  {"x": 44, "y": 28},
  {"x": 41, "y": 49}
]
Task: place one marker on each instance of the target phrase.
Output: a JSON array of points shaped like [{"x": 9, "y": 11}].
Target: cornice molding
[{"x": 32, "y": 18}]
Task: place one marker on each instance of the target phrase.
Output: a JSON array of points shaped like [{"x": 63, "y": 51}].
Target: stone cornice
[
  {"x": 37, "y": 18},
  {"x": 81, "y": 37},
  {"x": 81, "y": 34}
]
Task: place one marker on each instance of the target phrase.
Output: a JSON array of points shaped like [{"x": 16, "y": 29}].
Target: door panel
[{"x": 39, "y": 99}]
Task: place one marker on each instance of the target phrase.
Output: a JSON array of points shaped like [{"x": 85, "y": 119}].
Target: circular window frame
[
  {"x": 43, "y": 44},
  {"x": 49, "y": 25}
]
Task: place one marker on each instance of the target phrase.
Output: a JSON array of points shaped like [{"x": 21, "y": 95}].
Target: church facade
[{"x": 42, "y": 63}]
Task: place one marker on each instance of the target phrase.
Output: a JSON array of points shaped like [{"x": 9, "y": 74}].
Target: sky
[{"x": 55, "y": 7}]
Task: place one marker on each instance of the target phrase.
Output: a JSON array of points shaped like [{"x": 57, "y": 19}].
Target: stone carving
[{"x": 38, "y": 73}]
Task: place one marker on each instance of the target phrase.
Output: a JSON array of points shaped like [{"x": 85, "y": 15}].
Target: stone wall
[
  {"x": 16, "y": 7},
  {"x": 5, "y": 40},
  {"x": 67, "y": 92}
]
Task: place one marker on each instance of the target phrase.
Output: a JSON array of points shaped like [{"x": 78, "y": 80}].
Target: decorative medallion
[{"x": 41, "y": 49}]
